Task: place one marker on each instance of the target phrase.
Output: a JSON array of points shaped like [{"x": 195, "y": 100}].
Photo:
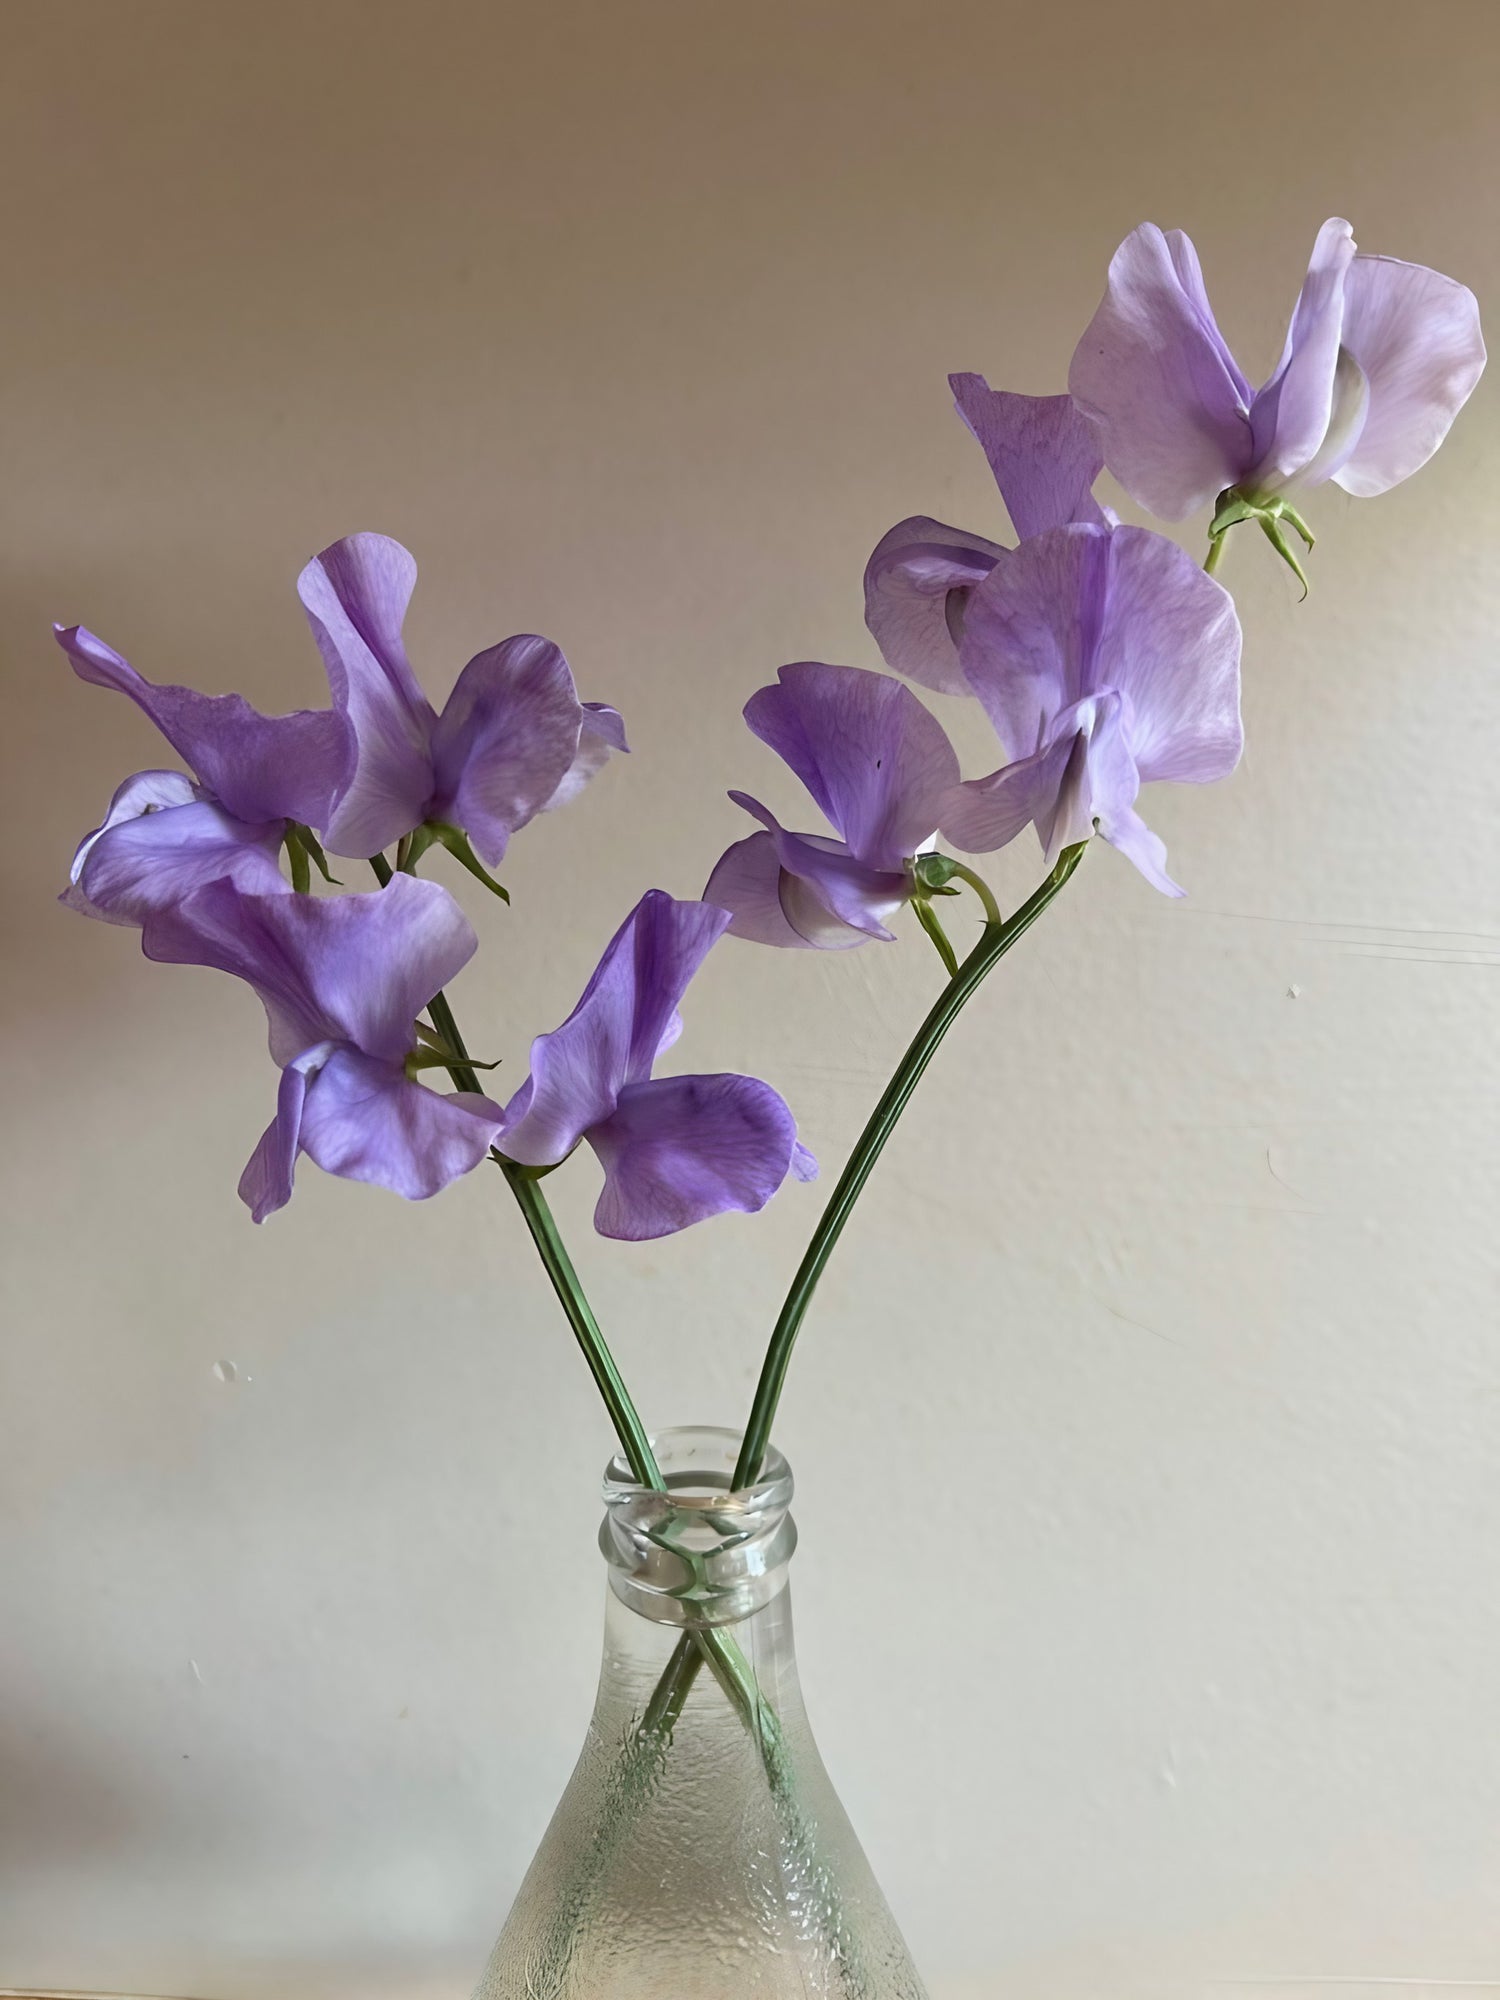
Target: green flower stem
[
  {"x": 995, "y": 941},
  {"x": 558, "y": 1265},
  {"x": 1215, "y": 553}
]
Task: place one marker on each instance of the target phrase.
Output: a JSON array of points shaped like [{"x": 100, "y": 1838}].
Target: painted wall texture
[{"x": 1148, "y": 1426}]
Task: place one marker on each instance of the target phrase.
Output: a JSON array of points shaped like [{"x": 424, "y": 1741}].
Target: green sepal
[
  {"x": 438, "y": 833},
  {"x": 440, "y": 1058},
  {"x": 1268, "y": 512},
  {"x": 928, "y": 918},
  {"x": 935, "y": 872}
]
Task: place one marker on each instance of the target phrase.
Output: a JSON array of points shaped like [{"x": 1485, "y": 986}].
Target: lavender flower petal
[
  {"x": 506, "y": 741},
  {"x": 872, "y": 756},
  {"x": 157, "y": 846},
  {"x": 355, "y": 594},
  {"x": 680, "y": 1149},
  {"x": 1043, "y": 451},
  {"x": 827, "y": 894},
  {"x": 259, "y": 767},
  {"x": 1414, "y": 337},
  {"x": 1153, "y": 371},
  {"x": 266, "y": 1183},
  {"x": 365, "y": 1120},
  {"x": 601, "y": 731},
  {"x": 1289, "y": 417},
  {"x": 917, "y": 585}
]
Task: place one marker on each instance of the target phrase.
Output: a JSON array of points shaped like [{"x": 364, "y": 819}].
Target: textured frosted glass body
[{"x": 704, "y": 1865}]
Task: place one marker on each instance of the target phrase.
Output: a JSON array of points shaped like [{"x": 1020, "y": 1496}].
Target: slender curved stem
[
  {"x": 553, "y": 1252},
  {"x": 994, "y": 943},
  {"x": 1215, "y": 553}
]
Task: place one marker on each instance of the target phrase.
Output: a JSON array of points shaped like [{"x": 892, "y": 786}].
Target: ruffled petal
[
  {"x": 1135, "y": 840},
  {"x": 825, "y": 891},
  {"x": 986, "y": 813},
  {"x": 1044, "y": 453},
  {"x": 1416, "y": 340},
  {"x": 259, "y": 767},
  {"x": 366, "y": 1120},
  {"x": 1153, "y": 371},
  {"x": 683, "y": 1148},
  {"x": 355, "y": 594},
  {"x": 507, "y": 738},
  {"x": 917, "y": 584},
  {"x": 602, "y": 730},
  {"x": 152, "y": 857},
  {"x": 1032, "y": 630},
  {"x": 875, "y": 760},
  {"x": 613, "y": 1036},
  {"x": 1290, "y": 416},
  {"x": 355, "y": 969}
]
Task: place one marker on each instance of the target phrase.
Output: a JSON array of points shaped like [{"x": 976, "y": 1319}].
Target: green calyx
[
  {"x": 304, "y": 852},
  {"x": 434, "y": 1052},
  {"x": 438, "y": 833},
  {"x": 1270, "y": 511}
]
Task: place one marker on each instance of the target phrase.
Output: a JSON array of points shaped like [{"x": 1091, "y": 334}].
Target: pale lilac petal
[
  {"x": 1170, "y": 644},
  {"x": 683, "y": 1148},
  {"x": 602, "y": 731},
  {"x": 804, "y": 1163},
  {"x": 917, "y": 584},
  {"x": 1289, "y": 417},
  {"x": 355, "y": 595},
  {"x": 1079, "y": 610},
  {"x": 1135, "y": 840},
  {"x": 367, "y": 1120},
  {"x": 986, "y": 813},
  {"x": 1043, "y": 451},
  {"x": 1415, "y": 337},
  {"x": 612, "y": 1037},
  {"x": 266, "y": 1183},
  {"x": 354, "y": 969},
  {"x": 875, "y": 760},
  {"x": 824, "y": 889},
  {"x": 154, "y": 859},
  {"x": 1152, "y": 370},
  {"x": 746, "y": 881},
  {"x": 506, "y": 740},
  {"x": 259, "y": 767}
]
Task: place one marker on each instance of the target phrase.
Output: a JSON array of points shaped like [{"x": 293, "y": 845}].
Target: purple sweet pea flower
[
  {"x": 512, "y": 741},
  {"x": 1105, "y": 659},
  {"x": 165, "y": 834},
  {"x": 1379, "y": 359},
  {"x": 1045, "y": 457},
  {"x": 879, "y": 766},
  {"x": 342, "y": 980},
  {"x": 674, "y": 1149}
]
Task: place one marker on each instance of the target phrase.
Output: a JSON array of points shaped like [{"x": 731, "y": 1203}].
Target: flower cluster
[{"x": 1103, "y": 656}]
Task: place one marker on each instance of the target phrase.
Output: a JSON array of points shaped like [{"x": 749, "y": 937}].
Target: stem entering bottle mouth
[{"x": 699, "y": 1552}]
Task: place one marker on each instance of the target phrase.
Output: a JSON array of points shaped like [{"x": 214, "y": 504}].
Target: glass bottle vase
[{"x": 699, "y": 1851}]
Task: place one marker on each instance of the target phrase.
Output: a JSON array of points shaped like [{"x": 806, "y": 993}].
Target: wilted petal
[
  {"x": 917, "y": 584},
  {"x": 1289, "y": 417},
  {"x": 602, "y": 730},
  {"x": 1152, "y": 369},
  {"x": 259, "y": 767},
  {"x": 266, "y": 1183},
  {"x": 366, "y": 1120},
  {"x": 506, "y": 741},
  {"x": 872, "y": 756},
  {"x": 824, "y": 888},
  {"x": 682, "y": 1148},
  {"x": 746, "y": 881},
  {"x": 1415, "y": 337},
  {"x": 1044, "y": 453},
  {"x": 355, "y": 594},
  {"x": 354, "y": 969},
  {"x": 153, "y": 859},
  {"x": 626, "y": 1016}
]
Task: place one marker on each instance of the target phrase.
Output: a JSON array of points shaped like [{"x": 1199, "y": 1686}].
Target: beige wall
[{"x": 1148, "y": 1428}]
